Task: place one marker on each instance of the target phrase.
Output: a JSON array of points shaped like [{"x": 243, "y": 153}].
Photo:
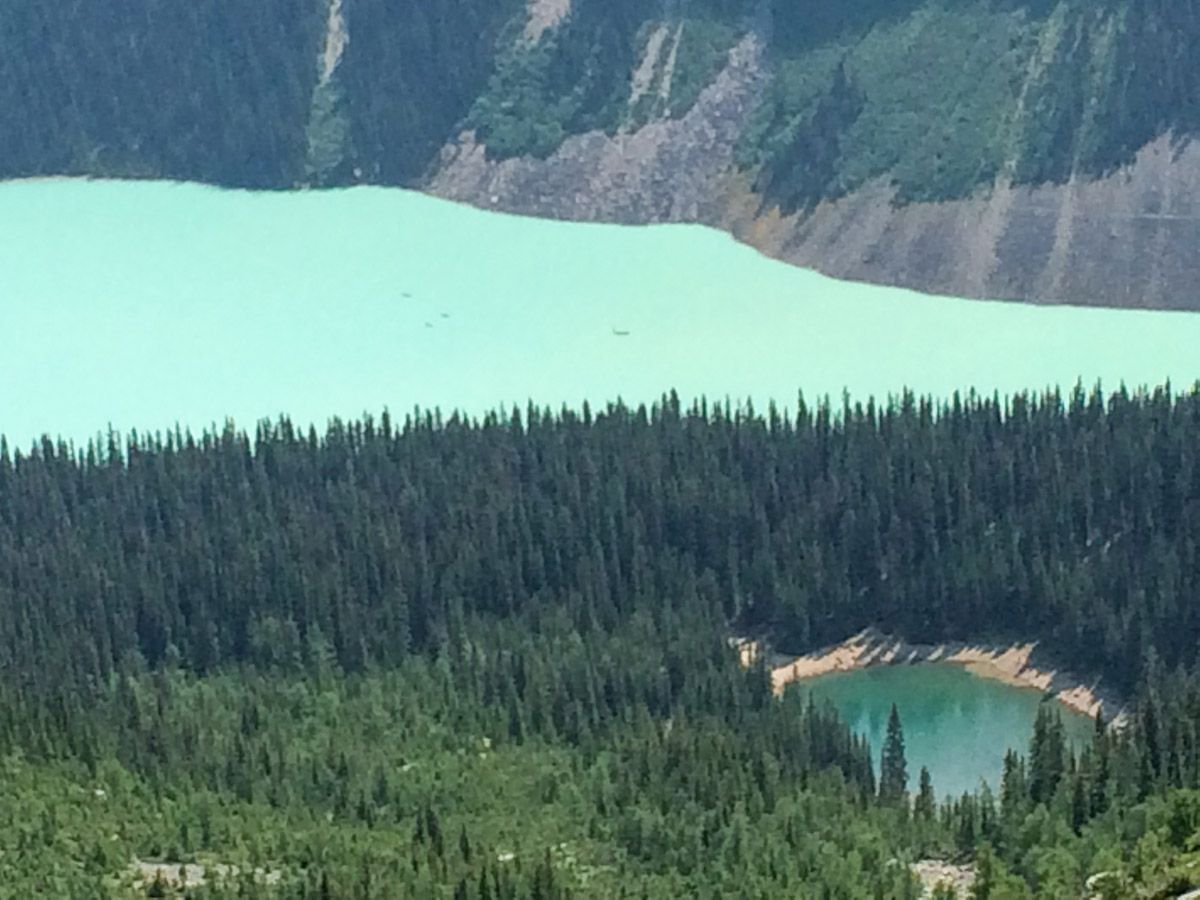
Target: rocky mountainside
[{"x": 1023, "y": 149}]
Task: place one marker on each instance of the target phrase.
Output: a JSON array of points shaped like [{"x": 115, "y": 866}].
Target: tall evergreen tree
[
  {"x": 1047, "y": 753},
  {"x": 893, "y": 768},
  {"x": 925, "y": 805}
]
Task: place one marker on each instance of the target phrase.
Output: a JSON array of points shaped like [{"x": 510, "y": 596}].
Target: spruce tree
[
  {"x": 1014, "y": 789},
  {"x": 1098, "y": 786},
  {"x": 925, "y": 804},
  {"x": 1047, "y": 753},
  {"x": 1079, "y": 805},
  {"x": 893, "y": 769}
]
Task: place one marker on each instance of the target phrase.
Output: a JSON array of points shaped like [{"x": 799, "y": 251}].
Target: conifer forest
[
  {"x": 424, "y": 655},
  {"x": 528, "y": 654}
]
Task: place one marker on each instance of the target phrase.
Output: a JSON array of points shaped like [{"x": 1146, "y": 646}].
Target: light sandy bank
[{"x": 1020, "y": 665}]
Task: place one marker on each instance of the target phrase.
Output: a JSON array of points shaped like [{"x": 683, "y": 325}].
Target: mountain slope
[{"x": 1024, "y": 149}]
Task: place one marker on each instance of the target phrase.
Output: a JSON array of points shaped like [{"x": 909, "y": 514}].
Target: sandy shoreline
[{"x": 1010, "y": 663}]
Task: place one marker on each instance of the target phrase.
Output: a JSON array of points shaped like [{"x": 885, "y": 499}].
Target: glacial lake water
[
  {"x": 956, "y": 724},
  {"x": 145, "y": 304}
]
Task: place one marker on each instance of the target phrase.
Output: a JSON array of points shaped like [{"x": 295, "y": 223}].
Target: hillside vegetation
[
  {"x": 223, "y": 91},
  {"x": 491, "y": 659},
  {"x": 942, "y": 97},
  {"x": 939, "y": 97},
  {"x": 433, "y": 657}
]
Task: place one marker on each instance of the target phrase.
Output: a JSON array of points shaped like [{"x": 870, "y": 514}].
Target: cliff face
[
  {"x": 1124, "y": 237},
  {"x": 1023, "y": 149},
  {"x": 668, "y": 170},
  {"x": 1127, "y": 239}
]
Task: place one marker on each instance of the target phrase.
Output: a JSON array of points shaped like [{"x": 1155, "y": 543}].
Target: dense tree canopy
[
  {"x": 937, "y": 98},
  {"x": 1069, "y": 518},
  {"x": 441, "y": 657}
]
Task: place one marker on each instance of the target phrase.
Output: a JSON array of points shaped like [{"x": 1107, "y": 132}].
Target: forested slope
[
  {"x": 232, "y": 93},
  {"x": 947, "y": 144},
  {"x": 1074, "y": 520},
  {"x": 491, "y": 659}
]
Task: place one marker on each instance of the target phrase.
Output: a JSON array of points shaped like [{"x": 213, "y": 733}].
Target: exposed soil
[
  {"x": 336, "y": 39},
  {"x": 543, "y": 15},
  {"x": 1021, "y": 665},
  {"x": 934, "y": 873}
]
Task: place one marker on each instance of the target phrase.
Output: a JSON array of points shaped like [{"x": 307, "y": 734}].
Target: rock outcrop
[{"x": 1124, "y": 239}]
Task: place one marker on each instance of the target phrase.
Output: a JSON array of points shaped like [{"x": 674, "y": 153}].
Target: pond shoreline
[{"x": 1012, "y": 664}]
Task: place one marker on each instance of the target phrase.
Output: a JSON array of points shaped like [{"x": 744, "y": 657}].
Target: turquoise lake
[
  {"x": 956, "y": 724},
  {"x": 143, "y": 305},
  {"x": 146, "y": 304}
]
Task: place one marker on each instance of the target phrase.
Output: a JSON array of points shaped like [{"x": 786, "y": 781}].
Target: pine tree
[
  {"x": 1079, "y": 804},
  {"x": 1098, "y": 789},
  {"x": 893, "y": 768},
  {"x": 464, "y": 845},
  {"x": 926, "y": 803},
  {"x": 1014, "y": 789},
  {"x": 1047, "y": 753}
]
